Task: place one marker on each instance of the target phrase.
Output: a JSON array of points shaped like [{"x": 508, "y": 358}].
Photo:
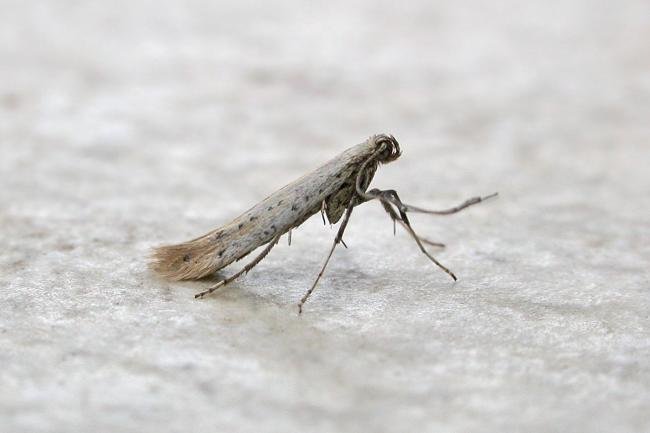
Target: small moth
[{"x": 334, "y": 190}]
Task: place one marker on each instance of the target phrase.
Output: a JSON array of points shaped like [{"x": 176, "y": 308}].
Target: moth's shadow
[
  {"x": 209, "y": 281},
  {"x": 213, "y": 278}
]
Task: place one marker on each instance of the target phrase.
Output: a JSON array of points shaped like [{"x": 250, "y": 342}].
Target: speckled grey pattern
[
  {"x": 127, "y": 124},
  {"x": 264, "y": 223}
]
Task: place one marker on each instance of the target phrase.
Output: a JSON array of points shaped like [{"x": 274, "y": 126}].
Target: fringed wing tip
[
  {"x": 166, "y": 261},
  {"x": 182, "y": 262}
]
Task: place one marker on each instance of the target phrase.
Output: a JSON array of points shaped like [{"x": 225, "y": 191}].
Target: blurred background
[{"x": 127, "y": 124}]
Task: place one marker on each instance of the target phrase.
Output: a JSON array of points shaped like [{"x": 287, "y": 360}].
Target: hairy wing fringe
[{"x": 189, "y": 260}]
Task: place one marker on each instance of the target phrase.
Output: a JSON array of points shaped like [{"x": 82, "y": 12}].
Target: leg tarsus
[
  {"x": 467, "y": 203},
  {"x": 245, "y": 270}
]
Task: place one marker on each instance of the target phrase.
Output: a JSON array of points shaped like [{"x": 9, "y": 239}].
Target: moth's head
[{"x": 388, "y": 148}]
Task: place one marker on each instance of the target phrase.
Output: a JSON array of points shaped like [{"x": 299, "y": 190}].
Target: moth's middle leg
[
  {"x": 337, "y": 240},
  {"x": 245, "y": 270}
]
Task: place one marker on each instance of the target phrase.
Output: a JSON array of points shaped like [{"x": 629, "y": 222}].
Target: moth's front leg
[
  {"x": 464, "y": 205},
  {"x": 397, "y": 219},
  {"x": 390, "y": 198}
]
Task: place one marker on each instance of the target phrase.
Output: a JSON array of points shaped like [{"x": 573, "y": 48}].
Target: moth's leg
[
  {"x": 431, "y": 243},
  {"x": 391, "y": 195},
  {"x": 423, "y": 239},
  {"x": 245, "y": 270},
  {"x": 464, "y": 205},
  {"x": 323, "y": 209},
  {"x": 337, "y": 240},
  {"x": 409, "y": 229},
  {"x": 396, "y": 219},
  {"x": 389, "y": 198}
]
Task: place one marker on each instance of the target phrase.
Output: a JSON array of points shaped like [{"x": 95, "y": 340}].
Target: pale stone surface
[{"x": 126, "y": 124}]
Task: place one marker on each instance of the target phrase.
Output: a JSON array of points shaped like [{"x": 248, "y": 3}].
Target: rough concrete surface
[{"x": 127, "y": 124}]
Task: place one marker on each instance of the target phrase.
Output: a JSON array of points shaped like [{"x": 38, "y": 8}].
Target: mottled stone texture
[{"x": 125, "y": 124}]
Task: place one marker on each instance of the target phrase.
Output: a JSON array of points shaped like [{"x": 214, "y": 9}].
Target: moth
[{"x": 333, "y": 189}]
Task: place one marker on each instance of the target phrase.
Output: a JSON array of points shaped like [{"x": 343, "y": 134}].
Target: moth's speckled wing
[{"x": 334, "y": 183}]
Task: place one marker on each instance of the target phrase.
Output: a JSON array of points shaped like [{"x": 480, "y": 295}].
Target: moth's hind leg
[{"x": 245, "y": 270}]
